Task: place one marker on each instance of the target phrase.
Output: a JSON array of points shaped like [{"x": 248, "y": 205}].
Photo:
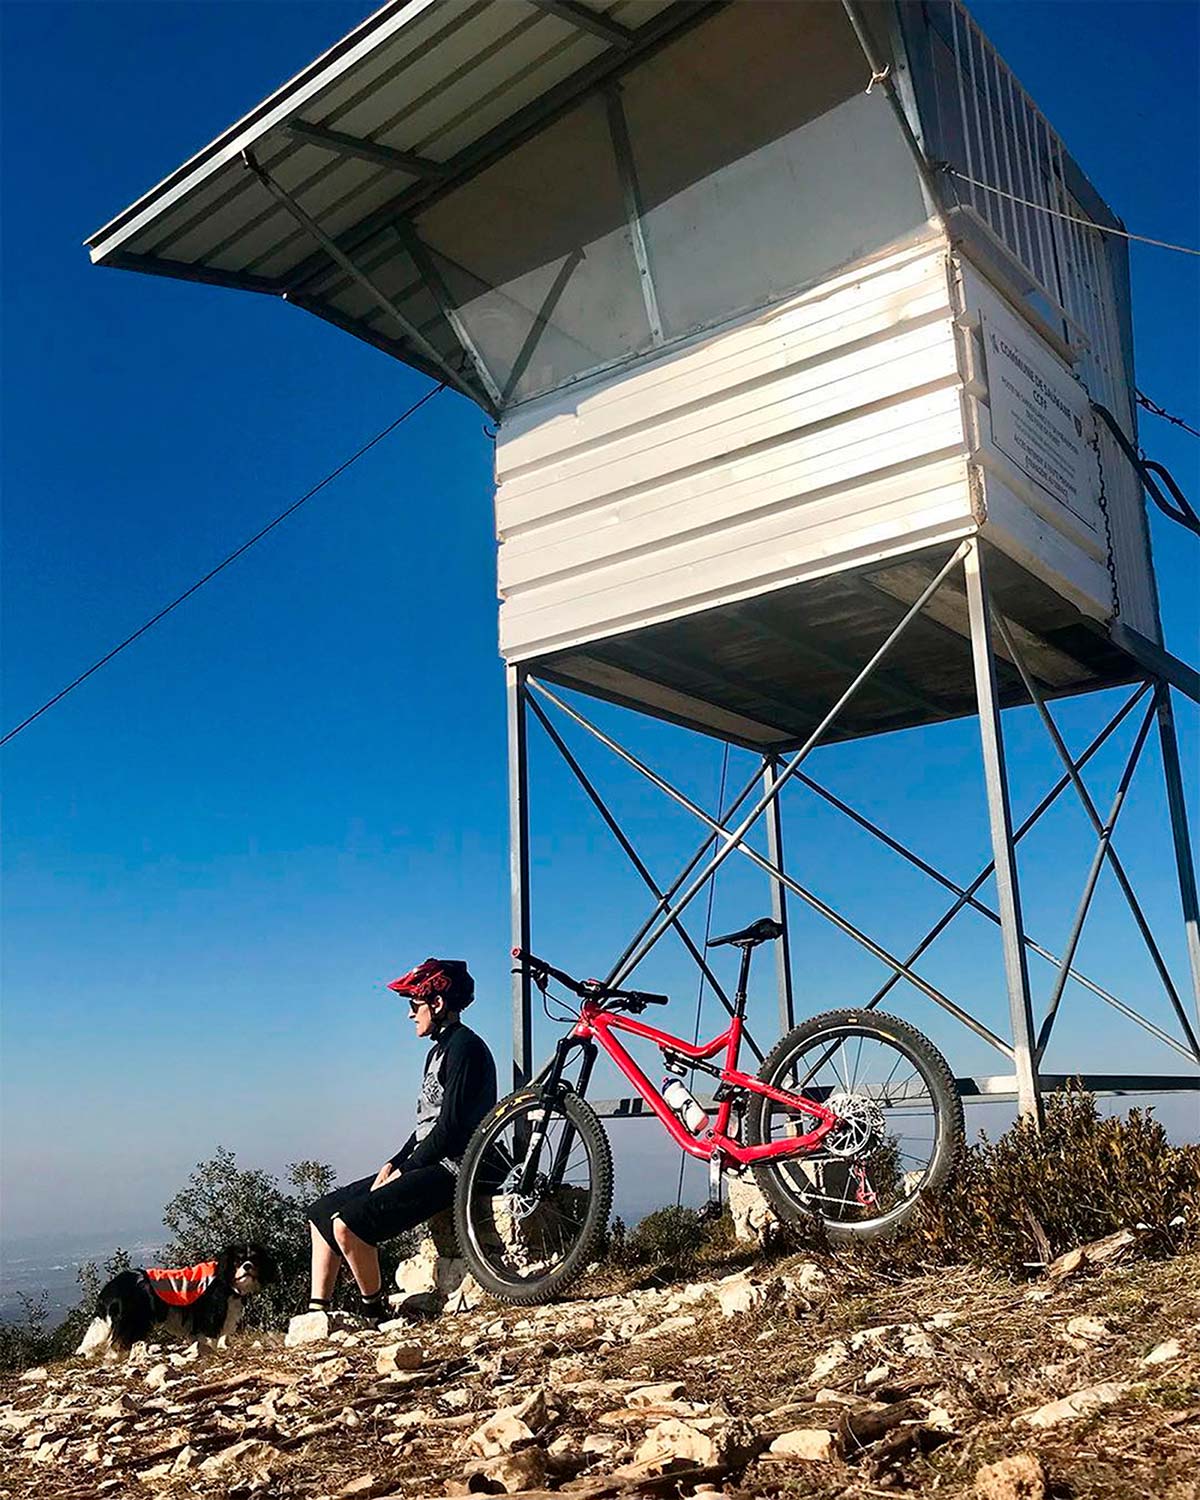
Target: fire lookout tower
[{"x": 810, "y": 356}]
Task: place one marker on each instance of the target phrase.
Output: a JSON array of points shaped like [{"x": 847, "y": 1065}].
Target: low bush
[
  {"x": 1029, "y": 1195},
  {"x": 223, "y": 1203},
  {"x": 669, "y": 1236},
  {"x": 220, "y": 1204}
]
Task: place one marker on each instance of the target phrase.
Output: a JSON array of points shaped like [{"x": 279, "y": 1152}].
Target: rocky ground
[{"x": 773, "y": 1377}]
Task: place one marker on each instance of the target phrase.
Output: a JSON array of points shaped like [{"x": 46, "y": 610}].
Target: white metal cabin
[{"x": 755, "y": 364}]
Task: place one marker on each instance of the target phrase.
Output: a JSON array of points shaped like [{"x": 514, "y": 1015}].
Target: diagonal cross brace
[
  {"x": 1103, "y": 847},
  {"x": 635, "y": 860},
  {"x": 374, "y": 291},
  {"x": 980, "y": 879},
  {"x": 735, "y": 839},
  {"x": 901, "y": 970},
  {"x": 1089, "y": 807},
  {"x": 971, "y": 900}
]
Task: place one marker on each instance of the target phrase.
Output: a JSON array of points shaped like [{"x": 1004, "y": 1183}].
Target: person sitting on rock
[{"x": 459, "y": 1088}]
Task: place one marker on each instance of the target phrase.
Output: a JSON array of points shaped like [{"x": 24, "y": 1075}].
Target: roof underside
[
  {"x": 419, "y": 98},
  {"x": 765, "y": 671}
]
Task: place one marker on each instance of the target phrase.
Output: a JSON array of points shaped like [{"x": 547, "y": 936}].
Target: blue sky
[{"x": 218, "y": 849}]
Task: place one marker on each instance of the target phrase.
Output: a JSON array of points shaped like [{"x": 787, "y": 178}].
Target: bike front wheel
[
  {"x": 900, "y": 1130},
  {"x": 528, "y": 1234}
]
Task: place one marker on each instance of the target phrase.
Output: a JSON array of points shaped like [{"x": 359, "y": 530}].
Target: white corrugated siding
[
  {"x": 1069, "y": 553},
  {"x": 818, "y": 435}
]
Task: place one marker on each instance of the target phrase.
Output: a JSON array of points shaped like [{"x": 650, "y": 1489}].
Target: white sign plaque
[{"x": 1041, "y": 419}]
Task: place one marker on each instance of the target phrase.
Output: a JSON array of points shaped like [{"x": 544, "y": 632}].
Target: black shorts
[{"x": 404, "y": 1202}]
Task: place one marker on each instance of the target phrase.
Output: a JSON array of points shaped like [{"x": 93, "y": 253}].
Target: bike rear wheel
[
  {"x": 901, "y": 1131},
  {"x": 526, "y": 1245}
]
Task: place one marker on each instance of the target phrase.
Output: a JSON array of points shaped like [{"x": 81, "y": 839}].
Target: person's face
[{"x": 423, "y": 1015}]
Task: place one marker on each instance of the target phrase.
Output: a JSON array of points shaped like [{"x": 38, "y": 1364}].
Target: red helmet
[{"x": 448, "y": 977}]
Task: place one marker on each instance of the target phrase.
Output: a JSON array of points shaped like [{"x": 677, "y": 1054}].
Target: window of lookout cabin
[{"x": 753, "y": 165}]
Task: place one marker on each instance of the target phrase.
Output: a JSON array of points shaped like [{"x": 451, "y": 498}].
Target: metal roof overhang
[{"x": 310, "y": 196}]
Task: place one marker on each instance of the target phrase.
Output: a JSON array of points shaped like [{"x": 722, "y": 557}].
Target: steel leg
[
  {"x": 1177, "y": 804},
  {"x": 1000, "y": 817},
  {"x": 783, "y": 948},
  {"x": 518, "y": 834}
]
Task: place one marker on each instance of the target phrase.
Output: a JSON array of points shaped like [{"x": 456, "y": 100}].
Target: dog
[{"x": 203, "y": 1302}]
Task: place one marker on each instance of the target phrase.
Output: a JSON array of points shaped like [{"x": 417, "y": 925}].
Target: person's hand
[{"x": 385, "y": 1174}]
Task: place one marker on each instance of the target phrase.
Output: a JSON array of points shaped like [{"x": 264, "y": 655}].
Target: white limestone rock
[{"x": 754, "y": 1220}]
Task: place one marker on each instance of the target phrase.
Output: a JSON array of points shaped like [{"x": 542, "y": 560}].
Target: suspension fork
[{"x": 551, "y": 1090}]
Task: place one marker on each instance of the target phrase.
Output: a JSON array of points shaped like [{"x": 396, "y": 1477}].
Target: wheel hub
[
  {"x": 523, "y": 1206},
  {"x": 860, "y": 1127}
]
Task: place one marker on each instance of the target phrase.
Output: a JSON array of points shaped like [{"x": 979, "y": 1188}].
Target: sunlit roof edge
[{"x": 291, "y": 97}]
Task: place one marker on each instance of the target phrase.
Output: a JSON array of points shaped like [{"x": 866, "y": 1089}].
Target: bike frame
[
  {"x": 597, "y": 1026},
  {"x": 595, "y": 1029}
]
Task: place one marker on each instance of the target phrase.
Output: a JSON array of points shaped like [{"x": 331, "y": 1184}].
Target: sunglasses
[{"x": 415, "y": 1005}]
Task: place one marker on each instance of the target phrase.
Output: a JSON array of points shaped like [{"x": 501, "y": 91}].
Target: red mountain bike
[{"x": 852, "y": 1116}]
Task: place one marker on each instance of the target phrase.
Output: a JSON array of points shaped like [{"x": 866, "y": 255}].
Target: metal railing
[{"x": 1000, "y": 139}]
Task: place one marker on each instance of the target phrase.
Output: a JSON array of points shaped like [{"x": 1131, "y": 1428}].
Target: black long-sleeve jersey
[{"x": 458, "y": 1089}]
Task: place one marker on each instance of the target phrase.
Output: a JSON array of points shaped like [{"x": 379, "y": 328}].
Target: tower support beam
[
  {"x": 783, "y": 948},
  {"x": 1177, "y": 806},
  {"x": 518, "y": 838},
  {"x": 1012, "y": 926}
]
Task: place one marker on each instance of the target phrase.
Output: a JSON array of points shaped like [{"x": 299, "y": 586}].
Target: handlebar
[{"x": 587, "y": 989}]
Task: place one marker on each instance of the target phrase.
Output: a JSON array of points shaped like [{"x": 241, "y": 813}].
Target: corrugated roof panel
[
  {"x": 281, "y": 105},
  {"x": 501, "y": 87},
  {"x": 300, "y": 168},
  {"x": 255, "y": 224},
  {"x": 510, "y": 65},
  {"x": 231, "y": 188},
  {"x": 412, "y": 80},
  {"x": 452, "y": 81},
  {"x": 450, "y": 29}
]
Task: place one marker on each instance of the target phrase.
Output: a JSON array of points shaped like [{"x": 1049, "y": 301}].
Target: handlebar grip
[{"x": 645, "y": 999}]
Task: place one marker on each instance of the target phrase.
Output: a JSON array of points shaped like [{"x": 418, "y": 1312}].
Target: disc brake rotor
[{"x": 860, "y": 1128}]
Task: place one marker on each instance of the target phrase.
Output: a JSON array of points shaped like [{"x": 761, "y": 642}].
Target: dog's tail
[{"x": 98, "y": 1338}]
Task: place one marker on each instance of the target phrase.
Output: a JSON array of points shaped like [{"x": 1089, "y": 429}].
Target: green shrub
[
  {"x": 667, "y": 1236},
  {"x": 1030, "y": 1195},
  {"x": 222, "y": 1204}
]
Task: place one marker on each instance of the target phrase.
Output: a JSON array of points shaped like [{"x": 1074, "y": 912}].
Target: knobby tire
[
  {"x": 934, "y": 1073},
  {"x": 525, "y": 1292}
]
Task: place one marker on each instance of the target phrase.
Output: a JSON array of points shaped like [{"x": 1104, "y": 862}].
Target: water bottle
[{"x": 683, "y": 1102}]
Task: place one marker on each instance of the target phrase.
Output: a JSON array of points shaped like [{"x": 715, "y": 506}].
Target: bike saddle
[{"x": 761, "y": 931}]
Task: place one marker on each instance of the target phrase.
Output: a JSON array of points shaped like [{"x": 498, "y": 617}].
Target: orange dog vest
[{"x": 183, "y": 1285}]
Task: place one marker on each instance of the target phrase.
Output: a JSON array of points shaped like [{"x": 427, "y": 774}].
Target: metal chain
[{"x": 1108, "y": 536}]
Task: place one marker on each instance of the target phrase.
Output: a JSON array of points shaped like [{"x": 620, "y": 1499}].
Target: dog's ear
[{"x": 228, "y": 1261}]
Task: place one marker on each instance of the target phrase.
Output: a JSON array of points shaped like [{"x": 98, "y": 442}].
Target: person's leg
[
  {"x": 326, "y": 1254},
  {"x": 362, "y": 1258},
  {"x": 402, "y": 1203},
  {"x": 326, "y": 1264}
]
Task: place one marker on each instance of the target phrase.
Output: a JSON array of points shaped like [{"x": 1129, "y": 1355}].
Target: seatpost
[{"x": 739, "y": 1000}]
